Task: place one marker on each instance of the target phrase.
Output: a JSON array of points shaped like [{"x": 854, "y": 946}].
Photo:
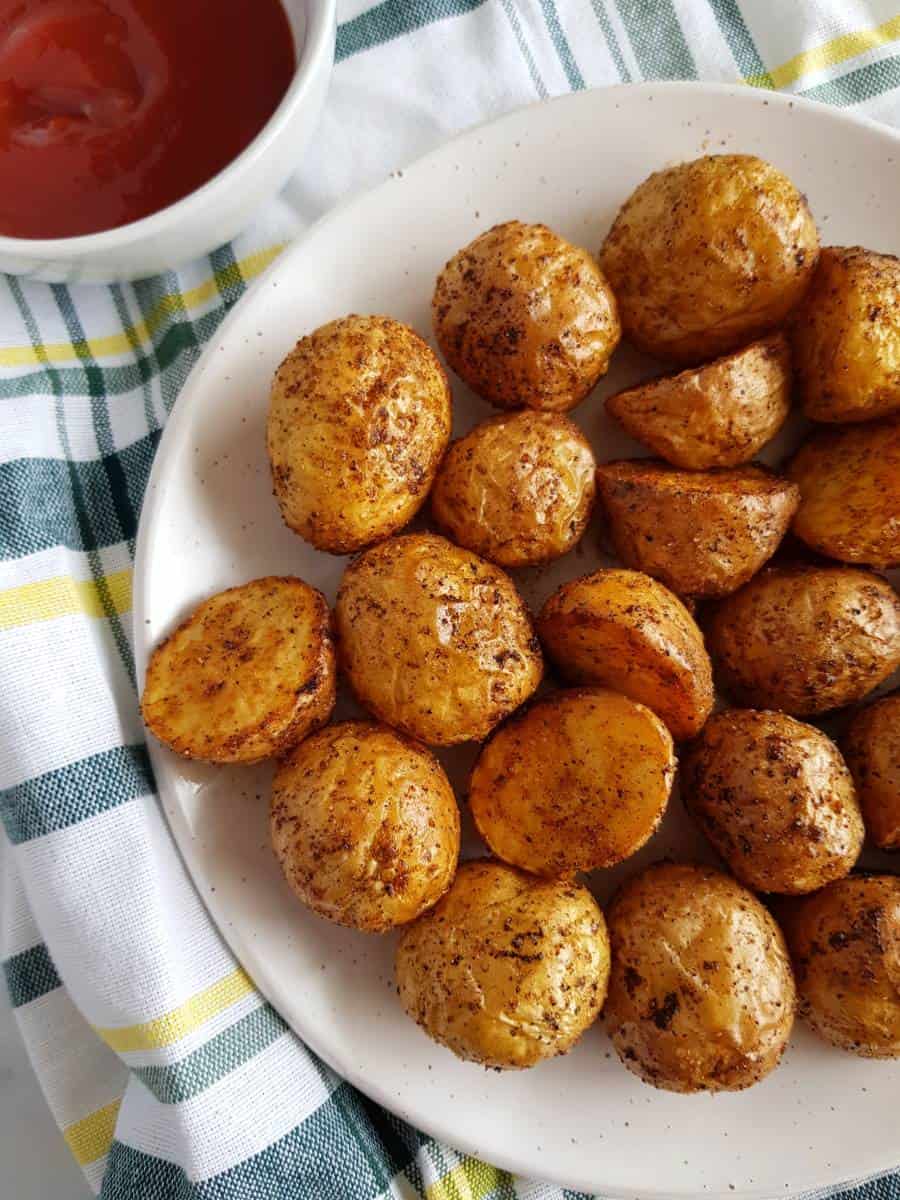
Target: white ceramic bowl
[{"x": 218, "y": 210}]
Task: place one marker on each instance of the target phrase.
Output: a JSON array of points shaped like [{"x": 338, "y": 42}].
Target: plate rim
[{"x": 163, "y": 763}]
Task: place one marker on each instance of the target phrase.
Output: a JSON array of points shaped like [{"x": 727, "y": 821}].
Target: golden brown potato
[
  {"x": 623, "y": 630},
  {"x": 717, "y": 415},
  {"x": 846, "y": 336},
  {"x": 364, "y": 825},
  {"x": 701, "y": 995},
  {"x": 508, "y": 969},
  {"x": 872, "y": 749},
  {"x": 806, "y": 639},
  {"x": 702, "y": 533},
  {"x": 517, "y": 489},
  {"x": 359, "y": 419},
  {"x": 248, "y": 675},
  {"x": 845, "y": 946},
  {"x": 775, "y": 798},
  {"x": 434, "y": 640},
  {"x": 525, "y": 318},
  {"x": 706, "y": 256},
  {"x": 578, "y": 780},
  {"x": 849, "y": 482}
]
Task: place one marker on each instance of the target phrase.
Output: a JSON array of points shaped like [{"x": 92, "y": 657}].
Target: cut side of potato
[
  {"x": 717, "y": 415},
  {"x": 248, "y": 675},
  {"x": 623, "y": 630},
  {"x": 700, "y": 533},
  {"x": 849, "y": 482},
  {"x": 577, "y": 781}
]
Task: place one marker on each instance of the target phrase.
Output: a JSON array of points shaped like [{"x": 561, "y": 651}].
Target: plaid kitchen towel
[{"x": 167, "y": 1073}]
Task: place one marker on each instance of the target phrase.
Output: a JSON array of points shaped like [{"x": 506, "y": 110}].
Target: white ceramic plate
[{"x": 209, "y": 521}]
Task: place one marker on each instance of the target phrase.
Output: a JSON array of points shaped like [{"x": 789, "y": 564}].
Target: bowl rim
[{"x": 321, "y": 19}]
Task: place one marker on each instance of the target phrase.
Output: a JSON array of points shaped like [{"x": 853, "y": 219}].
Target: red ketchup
[{"x": 113, "y": 109}]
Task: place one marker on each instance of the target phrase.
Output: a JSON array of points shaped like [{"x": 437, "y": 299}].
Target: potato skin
[
  {"x": 701, "y": 995},
  {"x": 845, "y": 946},
  {"x": 846, "y": 336},
  {"x": 364, "y": 825},
  {"x": 517, "y": 489},
  {"x": 849, "y": 482},
  {"x": 700, "y": 533},
  {"x": 708, "y": 255},
  {"x": 434, "y": 640},
  {"x": 247, "y": 675},
  {"x": 579, "y": 780},
  {"x": 806, "y": 639},
  {"x": 623, "y": 630},
  {"x": 508, "y": 969},
  {"x": 525, "y": 318},
  {"x": 359, "y": 418},
  {"x": 716, "y": 415},
  {"x": 871, "y": 747},
  {"x": 775, "y": 798}
]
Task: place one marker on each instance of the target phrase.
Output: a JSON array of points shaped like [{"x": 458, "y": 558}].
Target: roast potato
[
  {"x": 717, "y": 415},
  {"x": 364, "y": 825},
  {"x": 623, "y": 630},
  {"x": 702, "y": 533},
  {"x": 434, "y": 640},
  {"x": 701, "y": 995},
  {"x": 248, "y": 675},
  {"x": 846, "y": 336},
  {"x": 578, "y": 780},
  {"x": 845, "y": 946},
  {"x": 517, "y": 489},
  {"x": 849, "y": 482},
  {"x": 708, "y": 255},
  {"x": 507, "y": 969},
  {"x": 806, "y": 639},
  {"x": 871, "y": 747},
  {"x": 359, "y": 419},
  {"x": 525, "y": 318},
  {"x": 775, "y": 798}
]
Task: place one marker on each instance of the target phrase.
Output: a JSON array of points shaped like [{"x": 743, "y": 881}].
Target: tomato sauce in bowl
[{"x": 114, "y": 109}]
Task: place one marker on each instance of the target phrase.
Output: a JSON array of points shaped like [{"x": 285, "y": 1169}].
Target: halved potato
[
  {"x": 578, "y": 780},
  {"x": 701, "y": 533},
  {"x": 806, "y": 639},
  {"x": 846, "y": 336},
  {"x": 248, "y": 675},
  {"x": 623, "y": 630},
  {"x": 717, "y": 415},
  {"x": 871, "y": 747},
  {"x": 849, "y": 482}
]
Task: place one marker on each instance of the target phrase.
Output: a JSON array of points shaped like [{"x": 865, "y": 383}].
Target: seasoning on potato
[
  {"x": 775, "y": 798},
  {"x": 701, "y": 995},
  {"x": 578, "y": 780},
  {"x": 365, "y": 825},
  {"x": 708, "y": 255},
  {"x": 806, "y": 639},
  {"x": 434, "y": 640},
  {"x": 525, "y": 318},
  {"x": 702, "y": 533},
  {"x": 517, "y": 489},
  {"x": 248, "y": 675},
  {"x": 871, "y": 747},
  {"x": 846, "y": 336},
  {"x": 623, "y": 630},
  {"x": 849, "y": 482},
  {"x": 845, "y": 946},
  {"x": 508, "y": 969},
  {"x": 717, "y": 415},
  {"x": 360, "y": 416}
]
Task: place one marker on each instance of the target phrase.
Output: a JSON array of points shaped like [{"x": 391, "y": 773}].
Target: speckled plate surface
[{"x": 209, "y": 521}]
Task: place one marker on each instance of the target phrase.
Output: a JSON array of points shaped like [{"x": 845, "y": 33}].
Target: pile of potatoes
[{"x": 713, "y": 267}]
